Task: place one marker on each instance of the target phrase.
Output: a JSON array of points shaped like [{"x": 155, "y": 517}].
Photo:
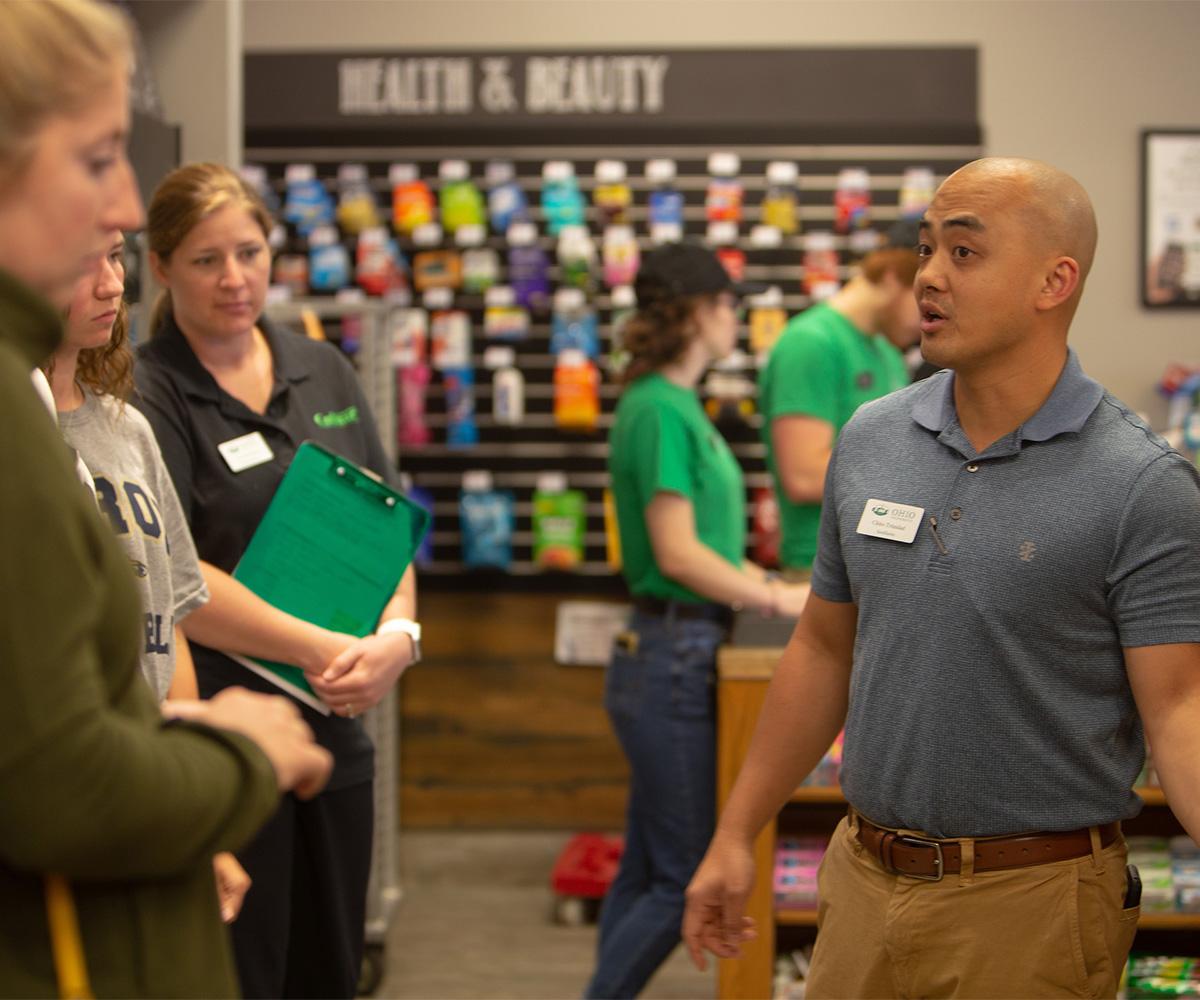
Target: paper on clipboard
[{"x": 330, "y": 549}]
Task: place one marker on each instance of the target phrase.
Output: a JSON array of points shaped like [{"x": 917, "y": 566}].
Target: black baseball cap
[
  {"x": 903, "y": 233},
  {"x": 679, "y": 270}
]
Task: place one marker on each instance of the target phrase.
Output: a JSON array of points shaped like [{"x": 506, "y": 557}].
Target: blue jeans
[{"x": 660, "y": 695}]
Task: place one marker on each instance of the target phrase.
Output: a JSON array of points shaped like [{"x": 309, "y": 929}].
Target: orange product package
[
  {"x": 576, "y": 392},
  {"x": 412, "y": 205}
]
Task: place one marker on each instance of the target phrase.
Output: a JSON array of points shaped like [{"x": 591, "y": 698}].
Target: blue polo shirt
[{"x": 989, "y": 694}]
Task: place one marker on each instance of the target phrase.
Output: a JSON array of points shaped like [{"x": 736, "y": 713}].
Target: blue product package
[
  {"x": 563, "y": 204},
  {"x": 487, "y": 527},
  {"x": 575, "y": 330},
  {"x": 328, "y": 268},
  {"x": 529, "y": 276},
  {"x": 424, "y": 553},
  {"x": 461, "y": 430},
  {"x": 506, "y": 205},
  {"x": 666, "y": 207},
  {"x": 308, "y": 205}
]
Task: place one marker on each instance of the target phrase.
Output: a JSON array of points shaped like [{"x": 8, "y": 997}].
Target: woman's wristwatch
[{"x": 409, "y": 627}]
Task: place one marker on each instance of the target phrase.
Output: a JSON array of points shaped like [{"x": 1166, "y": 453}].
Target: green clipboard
[{"x": 330, "y": 549}]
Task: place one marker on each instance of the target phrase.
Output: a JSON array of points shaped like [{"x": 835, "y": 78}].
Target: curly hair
[
  {"x": 108, "y": 369},
  {"x": 658, "y": 333}
]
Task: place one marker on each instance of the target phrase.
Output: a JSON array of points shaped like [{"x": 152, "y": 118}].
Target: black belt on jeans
[{"x": 692, "y": 610}]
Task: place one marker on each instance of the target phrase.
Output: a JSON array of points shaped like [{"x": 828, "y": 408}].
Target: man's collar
[
  {"x": 933, "y": 408},
  {"x": 28, "y": 321},
  {"x": 1074, "y": 398},
  {"x": 1065, "y": 411}
]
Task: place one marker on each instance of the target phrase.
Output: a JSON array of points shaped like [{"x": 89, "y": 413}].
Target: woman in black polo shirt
[{"x": 230, "y": 399}]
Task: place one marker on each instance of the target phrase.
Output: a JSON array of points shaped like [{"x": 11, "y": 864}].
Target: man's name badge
[
  {"x": 897, "y": 522},
  {"x": 245, "y": 452}
]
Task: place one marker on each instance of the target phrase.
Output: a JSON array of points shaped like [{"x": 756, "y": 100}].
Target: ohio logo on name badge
[{"x": 897, "y": 522}]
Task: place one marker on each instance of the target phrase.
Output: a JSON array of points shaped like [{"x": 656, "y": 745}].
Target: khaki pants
[{"x": 1052, "y": 930}]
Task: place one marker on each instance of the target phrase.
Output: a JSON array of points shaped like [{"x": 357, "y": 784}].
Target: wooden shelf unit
[{"x": 742, "y": 679}]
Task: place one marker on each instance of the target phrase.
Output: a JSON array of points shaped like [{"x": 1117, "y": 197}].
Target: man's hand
[
  {"x": 360, "y": 676},
  {"x": 715, "y": 917},
  {"x": 275, "y": 725},
  {"x": 788, "y": 599}
]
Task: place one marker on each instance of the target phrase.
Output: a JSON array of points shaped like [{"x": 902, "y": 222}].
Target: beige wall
[
  {"x": 1071, "y": 82},
  {"x": 195, "y": 49}
]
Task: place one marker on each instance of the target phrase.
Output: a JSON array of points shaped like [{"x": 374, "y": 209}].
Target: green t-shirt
[
  {"x": 661, "y": 441},
  {"x": 825, "y": 367}
]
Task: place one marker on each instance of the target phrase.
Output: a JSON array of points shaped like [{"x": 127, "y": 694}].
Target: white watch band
[{"x": 409, "y": 627}]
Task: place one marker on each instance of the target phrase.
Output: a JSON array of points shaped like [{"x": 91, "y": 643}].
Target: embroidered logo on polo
[
  {"x": 1026, "y": 551},
  {"x": 337, "y": 418}
]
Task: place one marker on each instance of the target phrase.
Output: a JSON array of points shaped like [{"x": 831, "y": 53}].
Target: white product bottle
[{"x": 508, "y": 386}]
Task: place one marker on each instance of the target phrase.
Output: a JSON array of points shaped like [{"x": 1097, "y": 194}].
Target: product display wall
[
  {"x": 434, "y": 155},
  {"x": 486, "y": 240}
]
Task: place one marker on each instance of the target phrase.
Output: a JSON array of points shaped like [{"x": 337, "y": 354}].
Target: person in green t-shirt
[
  {"x": 681, "y": 518},
  {"x": 831, "y": 359}
]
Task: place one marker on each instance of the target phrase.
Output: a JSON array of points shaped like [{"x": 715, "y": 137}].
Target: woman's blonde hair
[
  {"x": 185, "y": 198},
  {"x": 55, "y": 55}
]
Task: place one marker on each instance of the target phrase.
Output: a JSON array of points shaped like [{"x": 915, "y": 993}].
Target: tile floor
[{"x": 475, "y": 922}]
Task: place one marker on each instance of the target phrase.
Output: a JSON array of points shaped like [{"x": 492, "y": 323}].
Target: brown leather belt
[{"x": 927, "y": 858}]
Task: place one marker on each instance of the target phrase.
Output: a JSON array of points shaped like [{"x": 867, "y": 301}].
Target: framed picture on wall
[{"x": 1171, "y": 218}]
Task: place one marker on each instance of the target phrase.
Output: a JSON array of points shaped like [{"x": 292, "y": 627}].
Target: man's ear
[{"x": 1060, "y": 283}]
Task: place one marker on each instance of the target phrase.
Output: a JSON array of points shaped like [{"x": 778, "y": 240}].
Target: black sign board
[{"x": 876, "y": 95}]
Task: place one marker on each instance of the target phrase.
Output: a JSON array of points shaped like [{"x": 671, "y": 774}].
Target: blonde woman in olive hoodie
[{"x": 109, "y": 818}]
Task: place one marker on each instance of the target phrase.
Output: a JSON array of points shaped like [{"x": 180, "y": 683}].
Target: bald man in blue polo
[{"x": 1006, "y": 598}]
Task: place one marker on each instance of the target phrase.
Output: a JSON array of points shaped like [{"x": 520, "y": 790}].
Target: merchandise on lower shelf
[
  {"x": 1170, "y": 873},
  {"x": 796, "y": 862},
  {"x": 791, "y": 973},
  {"x": 1161, "y": 976}
]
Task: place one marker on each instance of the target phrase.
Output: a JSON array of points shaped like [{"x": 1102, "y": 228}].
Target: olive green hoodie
[{"x": 93, "y": 785}]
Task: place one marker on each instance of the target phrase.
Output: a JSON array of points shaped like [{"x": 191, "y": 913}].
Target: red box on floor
[{"x": 587, "y": 865}]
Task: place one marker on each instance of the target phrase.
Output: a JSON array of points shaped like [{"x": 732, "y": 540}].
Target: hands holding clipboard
[{"x": 331, "y": 549}]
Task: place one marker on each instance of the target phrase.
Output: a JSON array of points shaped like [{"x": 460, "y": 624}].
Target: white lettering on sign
[
  {"x": 435, "y": 85},
  {"x": 496, "y": 92},
  {"x": 424, "y": 86},
  {"x": 595, "y": 84}
]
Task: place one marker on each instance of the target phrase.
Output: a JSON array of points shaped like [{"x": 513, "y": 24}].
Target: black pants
[{"x": 300, "y": 932}]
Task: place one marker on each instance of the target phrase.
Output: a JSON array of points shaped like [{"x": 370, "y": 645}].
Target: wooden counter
[{"x": 742, "y": 677}]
